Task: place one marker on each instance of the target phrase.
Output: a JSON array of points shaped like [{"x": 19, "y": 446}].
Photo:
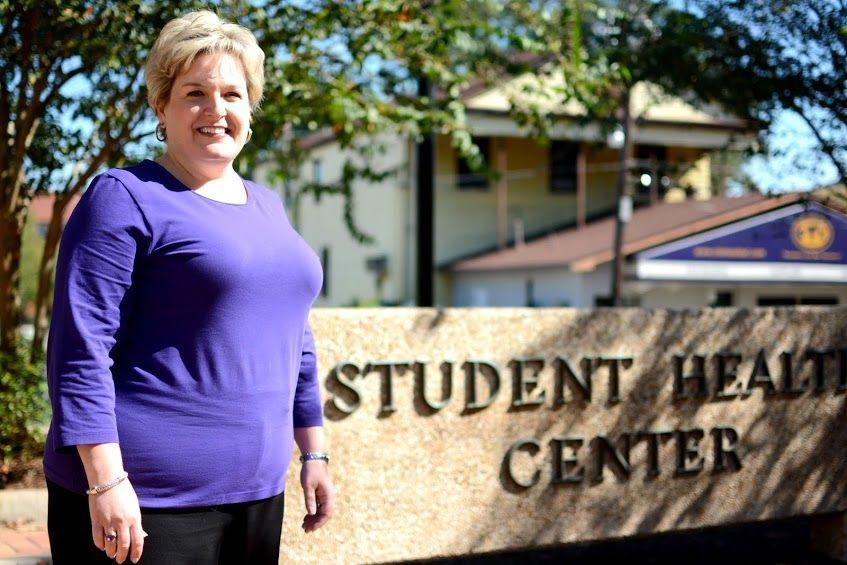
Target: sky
[{"x": 796, "y": 166}]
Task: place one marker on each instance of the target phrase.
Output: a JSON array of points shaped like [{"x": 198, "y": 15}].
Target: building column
[
  {"x": 502, "y": 195},
  {"x": 581, "y": 159}
]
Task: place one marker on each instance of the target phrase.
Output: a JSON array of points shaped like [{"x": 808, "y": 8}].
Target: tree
[
  {"x": 790, "y": 55},
  {"x": 75, "y": 102},
  {"x": 353, "y": 67},
  {"x": 72, "y": 103},
  {"x": 621, "y": 43}
]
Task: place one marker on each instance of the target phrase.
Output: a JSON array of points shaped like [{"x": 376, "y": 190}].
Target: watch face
[{"x": 812, "y": 233}]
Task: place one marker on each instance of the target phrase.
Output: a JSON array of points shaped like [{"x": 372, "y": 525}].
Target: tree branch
[
  {"x": 26, "y": 28},
  {"x": 826, "y": 146}
]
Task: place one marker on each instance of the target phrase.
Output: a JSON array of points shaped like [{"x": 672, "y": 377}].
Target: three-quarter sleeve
[
  {"x": 104, "y": 240},
  {"x": 307, "y": 396}
]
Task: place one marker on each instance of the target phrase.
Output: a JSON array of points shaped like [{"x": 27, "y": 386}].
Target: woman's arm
[
  {"x": 104, "y": 237},
  {"x": 317, "y": 485},
  {"x": 116, "y": 509},
  {"x": 102, "y": 462},
  {"x": 102, "y": 241},
  {"x": 310, "y": 439},
  {"x": 315, "y": 479}
]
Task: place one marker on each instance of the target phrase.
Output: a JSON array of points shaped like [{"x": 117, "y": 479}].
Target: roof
[
  {"x": 583, "y": 249},
  {"x": 834, "y": 196},
  {"x": 652, "y": 106}
]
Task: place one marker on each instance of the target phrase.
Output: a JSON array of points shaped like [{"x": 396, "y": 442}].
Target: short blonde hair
[{"x": 184, "y": 38}]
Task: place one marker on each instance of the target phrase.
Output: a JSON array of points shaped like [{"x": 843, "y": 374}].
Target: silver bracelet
[
  {"x": 97, "y": 489},
  {"x": 311, "y": 455}
]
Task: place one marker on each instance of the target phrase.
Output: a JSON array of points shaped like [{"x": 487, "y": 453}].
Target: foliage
[
  {"x": 23, "y": 404},
  {"x": 785, "y": 55},
  {"x": 357, "y": 69},
  {"x": 31, "y": 249},
  {"x": 75, "y": 102}
]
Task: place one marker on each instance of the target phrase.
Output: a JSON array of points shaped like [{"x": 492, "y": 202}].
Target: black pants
[{"x": 241, "y": 533}]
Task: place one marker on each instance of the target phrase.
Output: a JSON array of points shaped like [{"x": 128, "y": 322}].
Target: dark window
[
  {"x": 563, "y": 155},
  {"x": 776, "y": 301},
  {"x": 602, "y": 301},
  {"x": 530, "y": 293},
  {"x": 627, "y": 301},
  {"x": 722, "y": 299},
  {"x": 652, "y": 167},
  {"x": 819, "y": 301},
  {"x": 469, "y": 179},
  {"x": 317, "y": 177},
  {"x": 325, "y": 265}
]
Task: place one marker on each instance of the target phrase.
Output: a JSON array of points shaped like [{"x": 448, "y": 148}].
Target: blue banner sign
[
  {"x": 810, "y": 233},
  {"x": 803, "y": 235}
]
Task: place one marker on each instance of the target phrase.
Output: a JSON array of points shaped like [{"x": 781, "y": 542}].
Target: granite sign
[{"x": 591, "y": 424}]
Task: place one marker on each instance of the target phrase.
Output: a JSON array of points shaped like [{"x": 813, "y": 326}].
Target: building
[
  {"x": 681, "y": 154},
  {"x": 748, "y": 251}
]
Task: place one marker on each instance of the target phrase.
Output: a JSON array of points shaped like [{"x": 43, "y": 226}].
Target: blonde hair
[{"x": 184, "y": 38}]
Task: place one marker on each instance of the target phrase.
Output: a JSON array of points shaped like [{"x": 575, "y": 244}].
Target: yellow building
[{"x": 541, "y": 189}]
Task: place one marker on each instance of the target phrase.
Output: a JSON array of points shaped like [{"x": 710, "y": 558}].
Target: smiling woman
[
  {"x": 180, "y": 360},
  {"x": 206, "y": 123},
  {"x": 204, "y": 80}
]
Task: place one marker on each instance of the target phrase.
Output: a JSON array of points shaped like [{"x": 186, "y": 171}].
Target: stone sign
[{"x": 464, "y": 431}]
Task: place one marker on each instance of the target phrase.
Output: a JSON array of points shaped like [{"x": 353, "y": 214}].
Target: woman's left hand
[{"x": 319, "y": 493}]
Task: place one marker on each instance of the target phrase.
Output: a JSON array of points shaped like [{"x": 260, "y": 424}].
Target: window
[
  {"x": 819, "y": 301},
  {"x": 325, "y": 265},
  {"x": 529, "y": 299},
  {"x": 626, "y": 300},
  {"x": 776, "y": 301},
  {"x": 794, "y": 301},
  {"x": 317, "y": 176},
  {"x": 467, "y": 179},
  {"x": 652, "y": 161},
  {"x": 563, "y": 155},
  {"x": 722, "y": 299}
]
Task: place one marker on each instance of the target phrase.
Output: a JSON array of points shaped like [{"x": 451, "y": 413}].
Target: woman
[{"x": 180, "y": 362}]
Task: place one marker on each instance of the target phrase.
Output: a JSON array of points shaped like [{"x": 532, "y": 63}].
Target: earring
[
  {"x": 249, "y": 134},
  {"x": 161, "y": 133}
]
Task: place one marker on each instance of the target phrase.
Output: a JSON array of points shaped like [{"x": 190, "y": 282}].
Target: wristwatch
[{"x": 310, "y": 455}]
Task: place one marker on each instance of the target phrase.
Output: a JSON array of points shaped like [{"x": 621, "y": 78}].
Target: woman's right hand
[{"x": 116, "y": 510}]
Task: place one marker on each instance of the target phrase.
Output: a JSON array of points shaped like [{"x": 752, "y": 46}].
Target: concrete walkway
[{"x": 23, "y": 527}]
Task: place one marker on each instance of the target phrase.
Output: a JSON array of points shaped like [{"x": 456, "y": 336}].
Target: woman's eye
[
  {"x": 195, "y": 92},
  {"x": 236, "y": 94}
]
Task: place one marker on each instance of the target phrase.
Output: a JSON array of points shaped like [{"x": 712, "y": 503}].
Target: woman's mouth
[{"x": 214, "y": 131}]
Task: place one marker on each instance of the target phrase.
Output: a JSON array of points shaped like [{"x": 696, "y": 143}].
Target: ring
[{"x": 111, "y": 536}]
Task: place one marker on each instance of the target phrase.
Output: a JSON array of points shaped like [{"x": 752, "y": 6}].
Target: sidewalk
[
  {"x": 23, "y": 527},
  {"x": 24, "y": 544}
]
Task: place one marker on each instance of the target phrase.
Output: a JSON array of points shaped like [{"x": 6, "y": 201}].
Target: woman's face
[{"x": 208, "y": 114}]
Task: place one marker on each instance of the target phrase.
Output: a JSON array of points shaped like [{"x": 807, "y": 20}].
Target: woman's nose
[{"x": 216, "y": 106}]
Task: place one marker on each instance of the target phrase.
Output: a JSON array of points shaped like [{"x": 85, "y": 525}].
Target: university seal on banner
[{"x": 812, "y": 233}]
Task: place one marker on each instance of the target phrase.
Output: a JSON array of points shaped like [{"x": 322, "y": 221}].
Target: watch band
[{"x": 311, "y": 455}]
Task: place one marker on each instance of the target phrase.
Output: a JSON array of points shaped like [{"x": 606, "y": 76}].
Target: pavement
[{"x": 23, "y": 527}]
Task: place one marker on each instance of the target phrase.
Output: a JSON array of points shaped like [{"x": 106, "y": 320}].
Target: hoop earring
[
  {"x": 161, "y": 132},
  {"x": 249, "y": 134}
]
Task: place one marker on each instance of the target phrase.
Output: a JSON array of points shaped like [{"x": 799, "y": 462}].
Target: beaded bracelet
[{"x": 97, "y": 489}]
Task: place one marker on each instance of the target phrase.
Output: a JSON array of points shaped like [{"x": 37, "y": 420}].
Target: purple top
[{"x": 179, "y": 330}]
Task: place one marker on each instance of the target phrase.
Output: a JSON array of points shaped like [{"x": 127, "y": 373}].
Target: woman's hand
[
  {"x": 319, "y": 493},
  {"x": 116, "y": 510}
]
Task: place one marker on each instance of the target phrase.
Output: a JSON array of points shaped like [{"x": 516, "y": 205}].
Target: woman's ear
[{"x": 160, "y": 112}]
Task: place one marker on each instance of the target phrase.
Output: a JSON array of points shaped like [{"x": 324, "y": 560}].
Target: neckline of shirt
[{"x": 170, "y": 175}]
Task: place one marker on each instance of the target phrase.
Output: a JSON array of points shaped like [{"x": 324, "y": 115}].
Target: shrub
[{"x": 24, "y": 406}]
